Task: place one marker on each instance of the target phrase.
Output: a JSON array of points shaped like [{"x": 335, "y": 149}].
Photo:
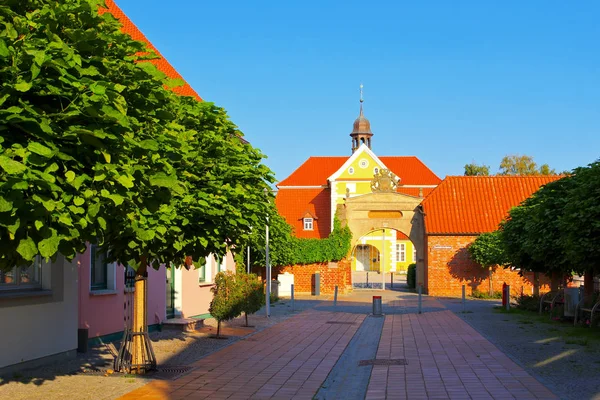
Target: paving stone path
[
  {"x": 446, "y": 359},
  {"x": 315, "y": 353},
  {"x": 348, "y": 379},
  {"x": 289, "y": 360}
]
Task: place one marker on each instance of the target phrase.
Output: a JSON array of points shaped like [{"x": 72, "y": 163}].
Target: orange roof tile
[
  {"x": 316, "y": 170},
  {"x": 411, "y": 170},
  {"x": 161, "y": 63},
  {"x": 476, "y": 204},
  {"x": 294, "y": 203}
]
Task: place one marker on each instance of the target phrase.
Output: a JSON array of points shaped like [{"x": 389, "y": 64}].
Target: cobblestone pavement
[
  {"x": 288, "y": 360},
  {"x": 84, "y": 377},
  {"x": 445, "y": 359},
  {"x": 312, "y": 351},
  {"x": 566, "y": 364}
]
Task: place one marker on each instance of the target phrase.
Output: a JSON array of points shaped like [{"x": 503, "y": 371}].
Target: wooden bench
[
  {"x": 551, "y": 299},
  {"x": 587, "y": 307}
]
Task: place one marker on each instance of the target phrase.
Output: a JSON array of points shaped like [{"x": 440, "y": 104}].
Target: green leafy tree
[
  {"x": 580, "y": 223},
  {"x": 523, "y": 165},
  {"x": 252, "y": 293},
  {"x": 488, "y": 251},
  {"x": 532, "y": 233},
  {"x": 476, "y": 170},
  {"x": 227, "y": 299},
  {"x": 96, "y": 149}
]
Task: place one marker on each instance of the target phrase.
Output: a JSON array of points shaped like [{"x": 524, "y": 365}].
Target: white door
[{"x": 362, "y": 258}]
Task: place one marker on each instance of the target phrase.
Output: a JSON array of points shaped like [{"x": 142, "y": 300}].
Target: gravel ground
[
  {"x": 566, "y": 364},
  {"x": 85, "y": 376}
]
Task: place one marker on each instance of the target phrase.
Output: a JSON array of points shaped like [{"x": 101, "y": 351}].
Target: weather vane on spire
[
  {"x": 361, "y": 99},
  {"x": 361, "y": 93}
]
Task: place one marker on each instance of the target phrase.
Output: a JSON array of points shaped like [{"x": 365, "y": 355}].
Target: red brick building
[{"x": 456, "y": 212}]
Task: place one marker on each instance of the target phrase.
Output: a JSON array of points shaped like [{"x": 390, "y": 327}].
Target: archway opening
[{"x": 381, "y": 258}]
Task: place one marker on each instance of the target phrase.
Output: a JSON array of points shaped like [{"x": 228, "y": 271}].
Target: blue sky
[{"x": 451, "y": 82}]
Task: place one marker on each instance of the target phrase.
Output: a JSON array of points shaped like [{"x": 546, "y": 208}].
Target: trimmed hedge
[{"x": 411, "y": 276}]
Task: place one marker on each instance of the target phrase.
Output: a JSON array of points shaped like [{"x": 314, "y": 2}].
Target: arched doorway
[
  {"x": 379, "y": 219},
  {"x": 388, "y": 250}
]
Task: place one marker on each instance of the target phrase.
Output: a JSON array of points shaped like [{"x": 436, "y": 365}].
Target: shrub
[
  {"x": 528, "y": 302},
  {"x": 227, "y": 298},
  {"x": 411, "y": 276},
  {"x": 252, "y": 293},
  {"x": 484, "y": 295}
]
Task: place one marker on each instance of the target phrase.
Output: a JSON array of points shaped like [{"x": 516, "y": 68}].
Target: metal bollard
[
  {"x": 463, "y": 299},
  {"x": 392, "y": 280},
  {"x": 507, "y": 297},
  {"x": 420, "y": 290},
  {"x": 335, "y": 292},
  {"x": 377, "y": 305},
  {"x": 317, "y": 283},
  {"x": 292, "y": 297}
]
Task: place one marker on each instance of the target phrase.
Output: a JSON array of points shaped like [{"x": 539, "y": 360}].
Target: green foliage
[
  {"x": 476, "y": 170},
  {"x": 411, "y": 276},
  {"x": 333, "y": 248},
  {"x": 94, "y": 148},
  {"x": 523, "y": 165},
  {"x": 286, "y": 249},
  {"x": 488, "y": 249},
  {"x": 485, "y": 295},
  {"x": 227, "y": 298},
  {"x": 580, "y": 219},
  {"x": 252, "y": 292},
  {"x": 528, "y": 302}
]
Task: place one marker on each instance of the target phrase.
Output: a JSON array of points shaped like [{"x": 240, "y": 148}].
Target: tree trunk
[
  {"x": 246, "y": 315},
  {"x": 139, "y": 317},
  {"x": 490, "y": 276},
  {"x": 536, "y": 283},
  {"x": 218, "y": 328},
  {"x": 588, "y": 284}
]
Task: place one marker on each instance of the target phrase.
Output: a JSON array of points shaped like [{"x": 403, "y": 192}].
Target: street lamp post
[{"x": 268, "y": 265}]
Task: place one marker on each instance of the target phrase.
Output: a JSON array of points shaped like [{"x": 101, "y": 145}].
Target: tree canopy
[
  {"x": 477, "y": 170},
  {"x": 96, "y": 148},
  {"x": 523, "y": 165}
]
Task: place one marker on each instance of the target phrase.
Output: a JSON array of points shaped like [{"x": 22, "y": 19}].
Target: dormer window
[{"x": 308, "y": 224}]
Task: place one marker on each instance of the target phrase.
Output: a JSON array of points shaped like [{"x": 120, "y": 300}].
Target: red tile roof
[
  {"x": 476, "y": 204},
  {"x": 294, "y": 203},
  {"x": 161, "y": 63},
  {"x": 316, "y": 170}
]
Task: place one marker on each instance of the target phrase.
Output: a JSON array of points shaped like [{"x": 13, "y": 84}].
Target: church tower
[{"x": 362, "y": 128}]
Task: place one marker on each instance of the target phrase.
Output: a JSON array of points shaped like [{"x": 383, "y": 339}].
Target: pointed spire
[
  {"x": 361, "y": 100},
  {"x": 361, "y": 134}
]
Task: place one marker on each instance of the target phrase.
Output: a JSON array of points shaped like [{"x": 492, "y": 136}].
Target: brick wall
[
  {"x": 332, "y": 274},
  {"x": 448, "y": 267}
]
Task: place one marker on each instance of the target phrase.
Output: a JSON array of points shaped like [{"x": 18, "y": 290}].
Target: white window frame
[
  {"x": 111, "y": 275},
  {"x": 18, "y": 285},
  {"x": 309, "y": 224},
  {"x": 414, "y": 253},
  {"x": 402, "y": 252}
]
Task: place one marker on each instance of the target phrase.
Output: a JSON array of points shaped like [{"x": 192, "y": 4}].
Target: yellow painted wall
[
  {"x": 361, "y": 179},
  {"x": 374, "y": 239}
]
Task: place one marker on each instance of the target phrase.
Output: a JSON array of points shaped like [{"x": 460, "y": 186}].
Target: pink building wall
[
  {"x": 196, "y": 296},
  {"x": 101, "y": 312}
]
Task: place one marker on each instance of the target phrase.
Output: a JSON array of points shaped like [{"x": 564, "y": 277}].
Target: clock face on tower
[{"x": 363, "y": 163}]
